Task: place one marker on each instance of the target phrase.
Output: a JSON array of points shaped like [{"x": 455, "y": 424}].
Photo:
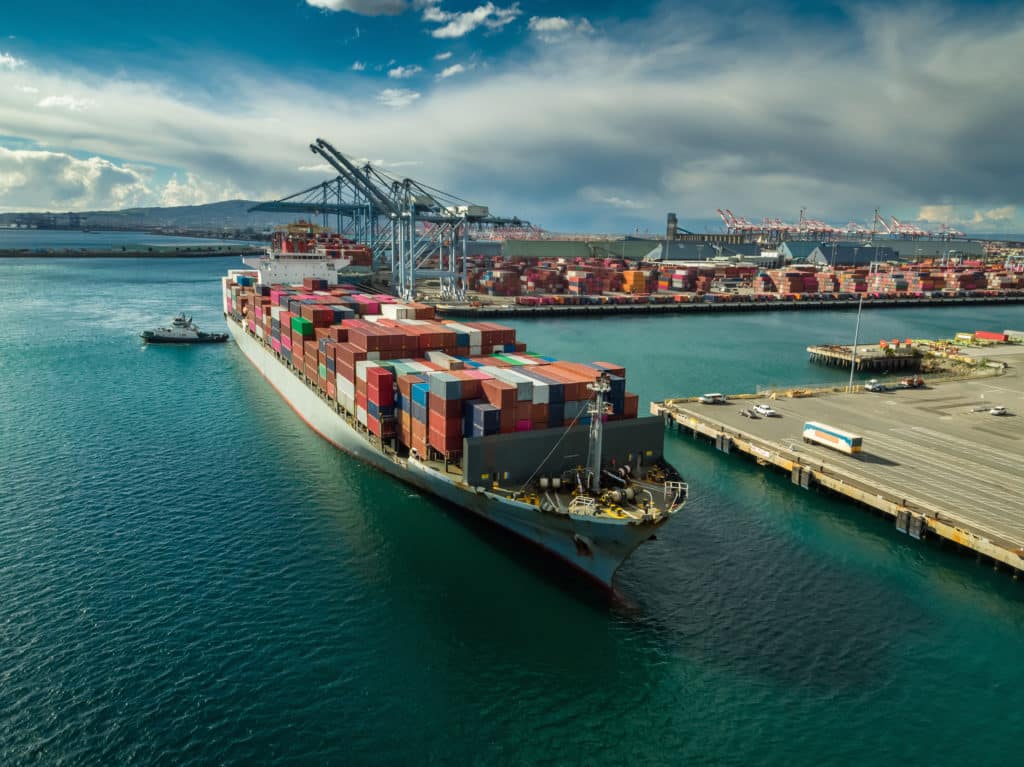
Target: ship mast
[{"x": 600, "y": 387}]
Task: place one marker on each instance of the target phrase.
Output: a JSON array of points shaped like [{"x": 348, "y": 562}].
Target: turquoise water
[{"x": 188, "y": 575}]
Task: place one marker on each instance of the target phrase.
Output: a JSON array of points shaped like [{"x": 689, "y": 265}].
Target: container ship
[{"x": 549, "y": 450}]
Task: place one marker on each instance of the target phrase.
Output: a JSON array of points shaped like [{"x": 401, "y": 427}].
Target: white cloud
[
  {"x": 397, "y": 97},
  {"x": 363, "y": 7},
  {"x": 71, "y": 103},
  {"x": 454, "y": 69},
  {"x": 553, "y": 29},
  {"x": 196, "y": 191},
  {"x": 610, "y": 198},
  {"x": 443, "y": 56},
  {"x": 402, "y": 73},
  {"x": 957, "y": 215},
  {"x": 320, "y": 167},
  {"x": 358, "y": 66},
  {"x": 460, "y": 24},
  {"x": 40, "y": 180},
  {"x": 26, "y": 89},
  {"x": 8, "y": 61}
]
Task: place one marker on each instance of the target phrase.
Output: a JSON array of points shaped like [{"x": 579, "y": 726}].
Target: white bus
[{"x": 829, "y": 436}]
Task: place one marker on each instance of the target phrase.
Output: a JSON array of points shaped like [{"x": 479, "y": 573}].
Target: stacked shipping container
[{"x": 405, "y": 377}]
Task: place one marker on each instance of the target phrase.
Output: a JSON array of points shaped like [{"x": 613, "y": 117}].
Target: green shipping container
[
  {"x": 302, "y": 326},
  {"x": 322, "y": 369}
]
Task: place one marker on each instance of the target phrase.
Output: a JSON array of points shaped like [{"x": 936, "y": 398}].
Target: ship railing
[
  {"x": 583, "y": 505},
  {"x": 675, "y": 492}
]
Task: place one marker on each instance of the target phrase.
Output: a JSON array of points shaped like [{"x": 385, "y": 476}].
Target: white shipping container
[
  {"x": 345, "y": 386},
  {"x": 361, "y": 415}
]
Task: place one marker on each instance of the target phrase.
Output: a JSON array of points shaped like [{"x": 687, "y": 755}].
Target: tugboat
[{"x": 182, "y": 331}]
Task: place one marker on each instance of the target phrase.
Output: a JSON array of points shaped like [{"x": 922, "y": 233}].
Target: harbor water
[{"x": 189, "y": 575}]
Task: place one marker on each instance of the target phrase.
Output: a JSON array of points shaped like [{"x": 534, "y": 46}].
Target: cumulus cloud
[
  {"x": 26, "y": 89},
  {"x": 41, "y": 180},
  {"x": 358, "y": 66},
  {"x": 397, "y": 97},
  {"x": 193, "y": 190},
  {"x": 457, "y": 24},
  {"x": 7, "y": 61},
  {"x": 443, "y": 56},
  {"x": 553, "y": 29},
  {"x": 71, "y": 103},
  {"x": 454, "y": 69},
  {"x": 402, "y": 73},
  {"x": 363, "y": 7}
]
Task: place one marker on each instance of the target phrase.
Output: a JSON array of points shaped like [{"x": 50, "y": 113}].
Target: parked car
[
  {"x": 766, "y": 410},
  {"x": 911, "y": 382},
  {"x": 998, "y": 410},
  {"x": 875, "y": 385}
]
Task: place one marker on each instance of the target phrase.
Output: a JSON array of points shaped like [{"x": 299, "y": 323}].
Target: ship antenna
[{"x": 600, "y": 387}]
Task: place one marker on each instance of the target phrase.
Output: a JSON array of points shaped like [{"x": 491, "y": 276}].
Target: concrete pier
[
  {"x": 935, "y": 460},
  {"x": 869, "y": 357}
]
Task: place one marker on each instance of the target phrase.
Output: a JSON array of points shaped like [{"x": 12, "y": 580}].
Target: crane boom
[{"x": 355, "y": 175}]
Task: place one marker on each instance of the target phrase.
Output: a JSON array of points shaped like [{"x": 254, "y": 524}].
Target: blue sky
[{"x": 577, "y": 116}]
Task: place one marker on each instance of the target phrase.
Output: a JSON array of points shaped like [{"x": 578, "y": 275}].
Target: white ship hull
[{"x": 595, "y": 546}]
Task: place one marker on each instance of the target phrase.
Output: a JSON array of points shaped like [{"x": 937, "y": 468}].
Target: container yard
[{"x": 943, "y": 461}]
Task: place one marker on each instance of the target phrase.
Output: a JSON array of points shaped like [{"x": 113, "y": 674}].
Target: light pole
[
  {"x": 856, "y": 337},
  {"x": 856, "y": 330}
]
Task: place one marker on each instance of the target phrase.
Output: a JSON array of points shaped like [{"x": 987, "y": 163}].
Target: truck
[{"x": 830, "y": 436}]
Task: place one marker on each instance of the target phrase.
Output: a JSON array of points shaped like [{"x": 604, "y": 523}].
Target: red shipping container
[
  {"x": 507, "y": 420},
  {"x": 523, "y": 411},
  {"x": 631, "y": 406},
  {"x": 500, "y": 394},
  {"x": 988, "y": 335},
  {"x": 345, "y": 370},
  {"x": 332, "y": 389},
  {"x": 445, "y": 408},
  {"x": 445, "y": 442}
]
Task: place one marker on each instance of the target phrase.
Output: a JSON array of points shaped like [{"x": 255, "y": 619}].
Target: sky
[{"x": 577, "y": 116}]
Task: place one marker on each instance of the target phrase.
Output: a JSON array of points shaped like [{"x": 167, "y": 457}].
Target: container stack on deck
[{"x": 406, "y": 377}]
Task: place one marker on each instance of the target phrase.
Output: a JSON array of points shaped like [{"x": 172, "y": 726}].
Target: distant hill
[{"x": 230, "y": 214}]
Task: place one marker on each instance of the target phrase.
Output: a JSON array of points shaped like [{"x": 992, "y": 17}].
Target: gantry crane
[{"x": 414, "y": 230}]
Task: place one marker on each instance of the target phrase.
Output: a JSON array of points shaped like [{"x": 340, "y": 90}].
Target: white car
[
  {"x": 711, "y": 399},
  {"x": 766, "y": 410},
  {"x": 997, "y": 410}
]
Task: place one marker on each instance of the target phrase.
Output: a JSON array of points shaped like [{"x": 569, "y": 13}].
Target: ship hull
[{"x": 593, "y": 545}]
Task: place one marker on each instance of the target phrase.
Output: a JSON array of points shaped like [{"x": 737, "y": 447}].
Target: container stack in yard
[{"x": 403, "y": 375}]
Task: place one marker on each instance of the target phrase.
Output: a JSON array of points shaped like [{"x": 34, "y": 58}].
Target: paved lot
[{"x": 938, "y": 447}]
